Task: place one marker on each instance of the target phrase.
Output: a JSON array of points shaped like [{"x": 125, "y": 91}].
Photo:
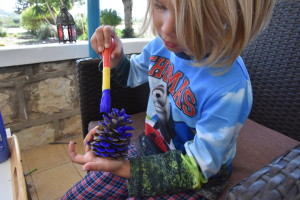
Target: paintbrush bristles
[{"x": 105, "y": 101}]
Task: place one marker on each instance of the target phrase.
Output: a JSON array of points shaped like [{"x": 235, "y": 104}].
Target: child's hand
[
  {"x": 91, "y": 162},
  {"x": 101, "y": 39}
]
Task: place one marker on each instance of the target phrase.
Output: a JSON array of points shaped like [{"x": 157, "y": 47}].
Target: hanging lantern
[{"x": 66, "y": 29}]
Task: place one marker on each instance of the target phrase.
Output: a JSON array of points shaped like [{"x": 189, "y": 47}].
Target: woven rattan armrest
[{"x": 279, "y": 179}]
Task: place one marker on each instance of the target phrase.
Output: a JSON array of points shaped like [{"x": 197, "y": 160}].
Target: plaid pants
[{"x": 105, "y": 186}]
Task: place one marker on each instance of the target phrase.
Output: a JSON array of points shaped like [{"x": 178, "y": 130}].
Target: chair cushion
[
  {"x": 256, "y": 147},
  {"x": 279, "y": 179}
]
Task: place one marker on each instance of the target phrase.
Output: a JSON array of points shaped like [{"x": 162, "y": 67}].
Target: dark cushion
[
  {"x": 256, "y": 147},
  {"x": 279, "y": 179}
]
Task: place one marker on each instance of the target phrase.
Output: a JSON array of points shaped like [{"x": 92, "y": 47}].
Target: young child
[{"x": 200, "y": 96}]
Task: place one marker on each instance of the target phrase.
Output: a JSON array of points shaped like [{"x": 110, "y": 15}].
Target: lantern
[{"x": 66, "y": 28}]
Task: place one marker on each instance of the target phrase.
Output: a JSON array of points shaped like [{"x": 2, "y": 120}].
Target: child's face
[{"x": 164, "y": 24}]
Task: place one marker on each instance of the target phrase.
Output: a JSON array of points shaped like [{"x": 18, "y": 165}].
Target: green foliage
[
  {"x": 16, "y": 20},
  {"x": 9, "y": 20},
  {"x": 41, "y": 6},
  {"x": 119, "y": 32},
  {"x": 46, "y": 31},
  {"x": 83, "y": 36},
  {"x": 128, "y": 33},
  {"x": 81, "y": 24},
  {"x": 13, "y": 25},
  {"x": 10, "y": 15},
  {"x": 81, "y": 27},
  {"x": 47, "y": 9},
  {"x": 30, "y": 21},
  {"x": 110, "y": 17},
  {"x": 2, "y": 33},
  {"x": 21, "y": 5}
]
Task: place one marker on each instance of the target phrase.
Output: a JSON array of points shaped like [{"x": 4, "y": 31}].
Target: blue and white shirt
[{"x": 196, "y": 110}]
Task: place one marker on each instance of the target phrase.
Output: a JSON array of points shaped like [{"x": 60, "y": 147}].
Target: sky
[
  {"x": 138, "y": 10},
  {"x": 7, "y": 5}
]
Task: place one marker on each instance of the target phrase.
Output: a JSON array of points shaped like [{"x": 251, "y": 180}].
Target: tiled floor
[{"x": 55, "y": 172}]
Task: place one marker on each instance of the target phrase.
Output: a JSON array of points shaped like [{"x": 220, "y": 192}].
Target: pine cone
[{"x": 112, "y": 139}]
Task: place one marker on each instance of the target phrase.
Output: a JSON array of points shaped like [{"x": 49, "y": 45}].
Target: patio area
[
  {"x": 36, "y": 123},
  {"x": 272, "y": 131},
  {"x": 55, "y": 173}
]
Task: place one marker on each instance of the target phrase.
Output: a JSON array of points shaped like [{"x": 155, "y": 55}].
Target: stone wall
[{"x": 39, "y": 102}]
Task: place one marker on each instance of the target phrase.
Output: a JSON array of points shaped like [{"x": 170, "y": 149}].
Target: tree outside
[
  {"x": 110, "y": 17},
  {"x": 36, "y": 19},
  {"x": 33, "y": 21},
  {"x": 128, "y": 32}
]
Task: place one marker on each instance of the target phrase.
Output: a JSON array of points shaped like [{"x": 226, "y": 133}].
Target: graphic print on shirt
[
  {"x": 161, "y": 103},
  {"x": 165, "y": 132},
  {"x": 177, "y": 84}
]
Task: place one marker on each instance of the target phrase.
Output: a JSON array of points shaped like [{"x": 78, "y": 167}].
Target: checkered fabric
[{"x": 105, "y": 186}]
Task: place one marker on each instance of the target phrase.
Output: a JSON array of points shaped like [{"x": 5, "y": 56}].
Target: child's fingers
[
  {"x": 98, "y": 39},
  {"x": 108, "y": 33},
  {"x": 91, "y": 166},
  {"x": 117, "y": 52},
  {"x": 77, "y": 158},
  {"x": 90, "y": 135},
  {"x": 87, "y": 146},
  {"x": 88, "y": 139}
]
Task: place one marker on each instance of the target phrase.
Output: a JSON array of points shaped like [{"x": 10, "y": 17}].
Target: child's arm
[{"x": 165, "y": 173}]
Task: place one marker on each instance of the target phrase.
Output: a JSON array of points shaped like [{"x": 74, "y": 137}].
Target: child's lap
[{"x": 103, "y": 185}]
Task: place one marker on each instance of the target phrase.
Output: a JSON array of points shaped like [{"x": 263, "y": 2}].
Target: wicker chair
[{"x": 273, "y": 64}]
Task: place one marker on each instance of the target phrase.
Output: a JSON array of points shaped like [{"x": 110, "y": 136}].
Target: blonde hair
[{"x": 216, "y": 30}]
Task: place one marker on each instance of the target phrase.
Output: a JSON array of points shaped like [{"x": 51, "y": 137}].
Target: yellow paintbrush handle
[{"x": 106, "y": 78}]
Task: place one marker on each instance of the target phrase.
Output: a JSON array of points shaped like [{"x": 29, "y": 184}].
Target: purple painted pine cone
[{"x": 112, "y": 138}]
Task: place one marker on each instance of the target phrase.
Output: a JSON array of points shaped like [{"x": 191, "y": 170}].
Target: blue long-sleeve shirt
[{"x": 195, "y": 111}]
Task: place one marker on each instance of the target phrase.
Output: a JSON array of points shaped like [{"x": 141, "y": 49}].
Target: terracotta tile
[
  {"x": 24, "y": 163},
  {"x": 46, "y": 157},
  {"x": 55, "y": 182},
  {"x": 79, "y": 169},
  {"x": 34, "y": 196},
  {"x": 28, "y": 178},
  {"x": 31, "y": 188},
  {"x": 79, "y": 149}
]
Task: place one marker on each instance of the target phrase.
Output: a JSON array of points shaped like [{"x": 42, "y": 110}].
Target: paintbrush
[{"x": 105, "y": 99}]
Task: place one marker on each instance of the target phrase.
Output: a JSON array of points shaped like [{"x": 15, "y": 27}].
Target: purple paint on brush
[{"x": 105, "y": 101}]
